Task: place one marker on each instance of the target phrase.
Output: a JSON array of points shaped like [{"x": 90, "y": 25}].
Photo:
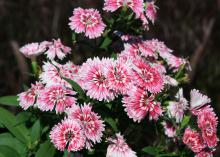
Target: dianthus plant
[{"x": 126, "y": 105}]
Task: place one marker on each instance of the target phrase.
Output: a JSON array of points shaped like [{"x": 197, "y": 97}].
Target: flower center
[{"x": 69, "y": 135}]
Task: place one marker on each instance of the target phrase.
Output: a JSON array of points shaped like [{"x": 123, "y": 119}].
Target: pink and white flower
[
  {"x": 207, "y": 122},
  {"x": 204, "y": 154},
  {"x": 193, "y": 140},
  {"x": 92, "y": 124},
  {"x": 151, "y": 11},
  {"x": 29, "y": 97},
  {"x": 92, "y": 75},
  {"x": 138, "y": 103},
  {"x": 147, "y": 77},
  {"x": 56, "y": 97},
  {"x": 68, "y": 134},
  {"x": 169, "y": 129},
  {"x": 176, "y": 108},
  {"x": 119, "y": 148},
  {"x": 32, "y": 49},
  {"x": 136, "y": 5},
  {"x": 57, "y": 49},
  {"x": 88, "y": 21}
]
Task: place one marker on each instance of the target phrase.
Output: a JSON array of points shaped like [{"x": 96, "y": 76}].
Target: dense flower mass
[
  {"x": 88, "y": 21},
  {"x": 68, "y": 134},
  {"x": 143, "y": 78},
  {"x": 119, "y": 148}
]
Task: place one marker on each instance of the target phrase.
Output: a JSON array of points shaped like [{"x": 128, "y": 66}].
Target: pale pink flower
[
  {"x": 92, "y": 124},
  {"x": 151, "y": 11},
  {"x": 197, "y": 100},
  {"x": 207, "y": 122},
  {"x": 32, "y": 49},
  {"x": 57, "y": 49},
  {"x": 29, "y": 97},
  {"x": 119, "y": 148},
  {"x": 176, "y": 108},
  {"x": 53, "y": 73},
  {"x": 204, "y": 154},
  {"x": 119, "y": 77},
  {"x": 92, "y": 75},
  {"x": 136, "y": 5},
  {"x": 169, "y": 129},
  {"x": 193, "y": 140},
  {"x": 56, "y": 97},
  {"x": 88, "y": 21},
  {"x": 147, "y": 77},
  {"x": 145, "y": 50},
  {"x": 175, "y": 62},
  {"x": 138, "y": 103},
  {"x": 170, "y": 81},
  {"x": 68, "y": 134}
]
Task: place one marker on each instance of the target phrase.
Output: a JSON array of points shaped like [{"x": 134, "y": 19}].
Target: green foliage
[{"x": 9, "y": 100}]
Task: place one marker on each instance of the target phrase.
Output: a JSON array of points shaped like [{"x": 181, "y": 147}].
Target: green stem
[{"x": 34, "y": 66}]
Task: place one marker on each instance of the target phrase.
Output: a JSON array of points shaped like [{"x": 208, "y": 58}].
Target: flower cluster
[{"x": 139, "y": 79}]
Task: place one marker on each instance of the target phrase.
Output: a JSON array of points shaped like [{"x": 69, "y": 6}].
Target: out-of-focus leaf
[
  {"x": 7, "y": 139},
  {"x": 150, "y": 150},
  {"x": 9, "y": 151},
  {"x": 76, "y": 87},
  {"x": 185, "y": 121},
  {"x": 22, "y": 117},
  {"x": 9, "y": 100},
  {"x": 46, "y": 150},
  {"x": 107, "y": 41},
  {"x": 112, "y": 123},
  {"x": 35, "y": 132},
  {"x": 167, "y": 155},
  {"x": 9, "y": 121}
]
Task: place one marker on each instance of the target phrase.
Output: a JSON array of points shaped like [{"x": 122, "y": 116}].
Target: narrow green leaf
[
  {"x": 185, "y": 121},
  {"x": 8, "y": 151},
  {"x": 150, "y": 150},
  {"x": 9, "y": 100},
  {"x": 35, "y": 132},
  {"x": 112, "y": 123},
  {"x": 107, "y": 41},
  {"x": 46, "y": 150},
  {"x": 9, "y": 121}
]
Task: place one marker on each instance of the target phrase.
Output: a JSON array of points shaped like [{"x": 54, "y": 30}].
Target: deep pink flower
[
  {"x": 193, "y": 140},
  {"x": 56, "y": 97},
  {"x": 176, "y": 108},
  {"x": 88, "y": 21},
  {"x": 207, "y": 122},
  {"x": 204, "y": 154},
  {"x": 136, "y": 5},
  {"x": 56, "y": 48},
  {"x": 138, "y": 103},
  {"x": 29, "y": 97},
  {"x": 119, "y": 77},
  {"x": 53, "y": 73},
  {"x": 170, "y": 130},
  {"x": 151, "y": 11},
  {"x": 119, "y": 148},
  {"x": 92, "y": 75},
  {"x": 32, "y": 49},
  {"x": 145, "y": 50},
  {"x": 92, "y": 124},
  {"x": 147, "y": 77},
  {"x": 197, "y": 101},
  {"x": 68, "y": 134}
]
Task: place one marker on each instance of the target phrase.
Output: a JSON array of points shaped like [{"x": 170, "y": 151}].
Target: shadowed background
[{"x": 190, "y": 28}]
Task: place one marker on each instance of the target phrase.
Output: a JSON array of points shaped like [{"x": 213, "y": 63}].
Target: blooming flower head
[
  {"x": 92, "y": 75},
  {"x": 204, "y": 154},
  {"x": 119, "y": 148},
  {"x": 28, "y": 98},
  {"x": 138, "y": 103},
  {"x": 32, "y": 49},
  {"x": 56, "y": 48},
  {"x": 88, "y": 21},
  {"x": 207, "y": 122},
  {"x": 197, "y": 100},
  {"x": 92, "y": 125},
  {"x": 136, "y": 5},
  {"x": 170, "y": 130},
  {"x": 147, "y": 77},
  {"x": 176, "y": 108},
  {"x": 119, "y": 77},
  {"x": 151, "y": 11},
  {"x": 193, "y": 140},
  {"x": 56, "y": 97},
  {"x": 68, "y": 134}
]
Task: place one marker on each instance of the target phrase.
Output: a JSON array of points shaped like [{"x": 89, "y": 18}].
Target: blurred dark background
[{"x": 190, "y": 28}]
